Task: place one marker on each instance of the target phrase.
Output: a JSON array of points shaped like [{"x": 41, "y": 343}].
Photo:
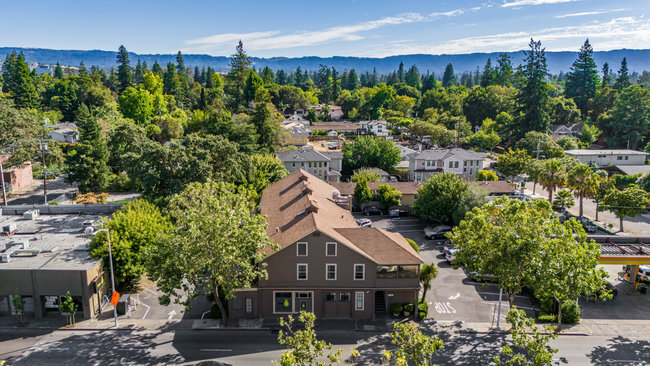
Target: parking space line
[
  {"x": 497, "y": 294},
  {"x": 216, "y": 350},
  {"x": 146, "y": 312},
  {"x": 506, "y": 304}
]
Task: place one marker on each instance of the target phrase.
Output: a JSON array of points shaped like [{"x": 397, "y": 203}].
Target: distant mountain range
[{"x": 638, "y": 60}]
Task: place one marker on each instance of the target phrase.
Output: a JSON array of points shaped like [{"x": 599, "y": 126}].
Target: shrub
[
  {"x": 413, "y": 244},
  {"x": 53, "y": 203},
  {"x": 570, "y": 312},
  {"x": 487, "y": 175},
  {"x": 396, "y": 308},
  {"x": 423, "y": 309},
  {"x": 408, "y": 308},
  {"x": 91, "y": 198},
  {"x": 546, "y": 318}
]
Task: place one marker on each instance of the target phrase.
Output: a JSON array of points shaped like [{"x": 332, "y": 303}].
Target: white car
[
  {"x": 450, "y": 254},
  {"x": 364, "y": 222}
]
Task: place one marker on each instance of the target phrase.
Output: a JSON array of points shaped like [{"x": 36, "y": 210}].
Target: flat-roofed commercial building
[{"x": 44, "y": 257}]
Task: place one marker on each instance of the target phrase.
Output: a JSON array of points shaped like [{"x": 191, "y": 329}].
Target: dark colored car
[{"x": 371, "y": 210}]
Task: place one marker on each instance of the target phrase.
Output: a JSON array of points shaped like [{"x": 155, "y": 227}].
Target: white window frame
[
  {"x": 327, "y": 271},
  {"x": 356, "y": 300},
  {"x": 336, "y": 249},
  {"x": 298, "y": 250},
  {"x": 298, "y": 271},
  {"x": 354, "y": 272}
]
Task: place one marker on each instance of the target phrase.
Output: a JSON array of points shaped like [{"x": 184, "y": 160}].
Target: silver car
[{"x": 433, "y": 232}]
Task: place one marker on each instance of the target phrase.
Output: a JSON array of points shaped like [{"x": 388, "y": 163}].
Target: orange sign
[{"x": 115, "y": 298}]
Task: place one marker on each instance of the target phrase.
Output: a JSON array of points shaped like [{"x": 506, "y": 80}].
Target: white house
[
  {"x": 377, "y": 128},
  {"x": 609, "y": 157},
  {"x": 463, "y": 163},
  {"x": 63, "y": 132}
]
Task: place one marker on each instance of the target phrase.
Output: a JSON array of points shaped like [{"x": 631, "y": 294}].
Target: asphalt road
[
  {"x": 56, "y": 191},
  {"x": 260, "y": 348}
]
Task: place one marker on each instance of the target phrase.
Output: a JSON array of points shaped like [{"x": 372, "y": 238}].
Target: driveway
[{"x": 453, "y": 295}]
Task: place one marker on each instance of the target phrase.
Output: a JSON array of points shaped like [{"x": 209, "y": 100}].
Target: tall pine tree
[
  {"x": 449, "y": 78},
  {"x": 124, "y": 72},
  {"x": 607, "y": 76},
  {"x": 582, "y": 81},
  {"x": 533, "y": 98},
  {"x": 623, "y": 79},
  {"x": 18, "y": 81}
]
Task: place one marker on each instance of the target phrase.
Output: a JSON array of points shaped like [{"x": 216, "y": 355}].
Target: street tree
[
  {"x": 369, "y": 151},
  {"x": 413, "y": 346},
  {"x": 427, "y": 273},
  {"x": 504, "y": 238},
  {"x": 584, "y": 182},
  {"x": 305, "y": 348},
  {"x": 567, "y": 267},
  {"x": 632, "y": 201},
  {"x": 439, "y": 197},
  {"x": 605, "y": 186},
  {"x": 134, "y": 229},
  {"x": 530, "y": 344},
  {"x": 563, "y": 199},
  {"x": 513, "y": 162},
  {"x": 552, "y": 176},
  {"x": 69, "y": 308},
  {"x": 388, "y": 196},
  {"x": 216, "y": 245}
]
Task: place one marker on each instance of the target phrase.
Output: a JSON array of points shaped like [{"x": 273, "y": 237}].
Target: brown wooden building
[{"x": 326, "y": 264}]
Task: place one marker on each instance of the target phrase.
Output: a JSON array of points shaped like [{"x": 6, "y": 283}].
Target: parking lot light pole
[{"x": 110, "y": 260}]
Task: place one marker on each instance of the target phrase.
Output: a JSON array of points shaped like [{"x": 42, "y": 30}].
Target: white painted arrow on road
[
  {"x": 171, "y": 314},
  {"x": 455, "y": 297}
]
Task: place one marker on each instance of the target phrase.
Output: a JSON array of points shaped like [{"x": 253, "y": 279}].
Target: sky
[{"x": 366, "y": 28}]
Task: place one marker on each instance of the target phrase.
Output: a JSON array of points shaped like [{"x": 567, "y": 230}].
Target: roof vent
[
  {"x": 31, "y": 214},
  {"x": 8, "y": 229}
]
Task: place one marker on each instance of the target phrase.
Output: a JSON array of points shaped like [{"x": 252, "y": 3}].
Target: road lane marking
[
  {"x": 216, "y": 350},
  {"x": 455, "y": 297},
  {"x": 497, "y": 294},
  {"x": 146, "y": 312}
]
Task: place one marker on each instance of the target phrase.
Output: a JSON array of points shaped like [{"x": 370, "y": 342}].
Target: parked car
[
  {"x": 433, "y": 232},
  {"x": 588, "y": 225},
  {"x": 479, "y": 277},
  {"x": 364, "y": 222},
  {"x": 371, "y": 210},
  {"x": 643, "y": 275},
  {"x": 450, "y": 254}
]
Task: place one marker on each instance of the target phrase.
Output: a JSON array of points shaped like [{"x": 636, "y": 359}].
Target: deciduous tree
[
  {"x": 530, "y": 344},
  {"x": 631, "y": 201},
  {"x": 439, "y": 197}
]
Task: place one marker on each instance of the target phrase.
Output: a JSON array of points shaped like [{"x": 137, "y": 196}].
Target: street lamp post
[
  {"x": 2, "y": 182},
  {"x": 43, "y": 150},
  {"x": 110, "y": 260}
]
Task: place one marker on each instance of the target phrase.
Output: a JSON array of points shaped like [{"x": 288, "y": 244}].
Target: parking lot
[
  {"x": 456, "y": 297},
  {"x": 453, "y": 295}
]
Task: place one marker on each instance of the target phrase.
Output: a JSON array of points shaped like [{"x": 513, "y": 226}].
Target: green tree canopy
[
  {"x": 369, "y": 151},
  {"x": 529, "y": 342},
  {"x": 215, "y": 246},
  {"x": 439, "y": 197},
  {"x": 632, "y": 201},
  {"x": 533, "y": 97},
  {"x": 388, "y": 196},
  {"x": 513, "y": 162},
  {"x": 134, "y": 229}
]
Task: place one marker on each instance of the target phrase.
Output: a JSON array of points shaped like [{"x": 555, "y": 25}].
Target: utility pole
[
  {"x": 43, "y": 150},
  {"x": 110, "y": 260},
  {"x": 2, "y": 182}
]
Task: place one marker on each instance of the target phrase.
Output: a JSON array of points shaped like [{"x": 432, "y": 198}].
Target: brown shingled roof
[
  {"x": 300, "y": 203},
  {"x": 498, "y": 187}
]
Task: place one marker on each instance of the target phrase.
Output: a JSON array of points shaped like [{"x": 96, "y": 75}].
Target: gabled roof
[
  {"x": 302, "y": 154},
  {"x": 300, "y": 203},
  {"x": 375, "y": 242},
  {"x": 498, "y": 187}
]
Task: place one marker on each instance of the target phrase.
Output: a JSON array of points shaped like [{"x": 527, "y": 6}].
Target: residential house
[
  {"x": 326, "y": 264},
  {"x": 66, "y": 133},
  {"x": 324, "y": 164},
  {"x": 377, "y": 128},
  {"x": 496, "y": 188},
  {"x": 335, "y": 113},
  {"x": 463, "y": 163},
  {"x": 409, "y": 190},
  {"x": 297, "y": 134},
  {"x": 607, "y": 157},
  {"x": 572, "y": 130}
]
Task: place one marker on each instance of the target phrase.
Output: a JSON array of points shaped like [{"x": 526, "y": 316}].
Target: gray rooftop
[
  {"x": 60, "y": 239},
  {"x": 605, "y": 152},
  {"x": 302, "y": 154},
  {"x": 439, "y": 154}
]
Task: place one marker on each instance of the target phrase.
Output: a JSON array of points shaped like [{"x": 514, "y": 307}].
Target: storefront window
[{"x": 283, "y": 302}]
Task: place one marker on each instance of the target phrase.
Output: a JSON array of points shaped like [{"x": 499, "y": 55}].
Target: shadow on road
[{"x": 621, "y": 350}]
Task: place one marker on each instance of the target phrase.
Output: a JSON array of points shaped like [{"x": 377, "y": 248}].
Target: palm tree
[
  {"x": 584, "y": 182},
  {"x": 552, "y": 176}
]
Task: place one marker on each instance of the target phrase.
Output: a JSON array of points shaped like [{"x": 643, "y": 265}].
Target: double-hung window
[
  {"x": 330, "y": 249},
  {"x": 301, "y": 271},
  {"x": 359, "y": 272},
  {"x": 330, "y": 272}
]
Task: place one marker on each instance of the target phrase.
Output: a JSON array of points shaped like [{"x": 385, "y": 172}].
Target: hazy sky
[{"x": 372, "y": 28}]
